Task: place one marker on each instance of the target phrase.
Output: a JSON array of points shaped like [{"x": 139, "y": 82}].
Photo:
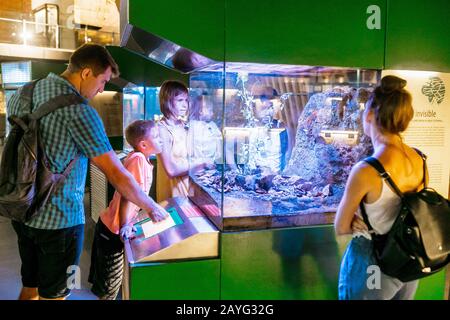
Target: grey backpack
[{"x": 26, "y": 182}]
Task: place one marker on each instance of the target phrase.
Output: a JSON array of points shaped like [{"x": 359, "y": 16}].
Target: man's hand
[
  {"x": 127, "y": 232},
  {"x": 158, "y": 213}
]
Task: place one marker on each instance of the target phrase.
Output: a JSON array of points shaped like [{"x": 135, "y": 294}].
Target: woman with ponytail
[{"x": 387, "y": 113}]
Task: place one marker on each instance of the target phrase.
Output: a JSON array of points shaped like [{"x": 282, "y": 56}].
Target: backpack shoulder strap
[
  {"x": 28, "y": 89},
  {"x": 383, "y": 174},
  {"x": 26, "y": 93},
  {"x": 54, "y": 103},
  {"x": 424, "y": 158}
]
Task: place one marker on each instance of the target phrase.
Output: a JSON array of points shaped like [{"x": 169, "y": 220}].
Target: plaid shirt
[{"x": 66, "y": 132}]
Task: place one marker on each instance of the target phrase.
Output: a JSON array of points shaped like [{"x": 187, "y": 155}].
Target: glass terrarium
[{"x": 277, "y": 142}]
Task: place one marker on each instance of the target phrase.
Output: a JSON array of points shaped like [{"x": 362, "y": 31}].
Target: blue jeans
[{"x": 361, "y": 279}]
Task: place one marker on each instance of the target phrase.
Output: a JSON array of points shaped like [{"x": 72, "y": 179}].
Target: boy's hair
[
  {"x": 95, "y": 57},
  {"x": 137, "y": 130},
  {"x": 168, "y": 91}
]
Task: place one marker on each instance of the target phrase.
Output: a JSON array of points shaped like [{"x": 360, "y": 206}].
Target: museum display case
[{"x": 278, "y": 141}]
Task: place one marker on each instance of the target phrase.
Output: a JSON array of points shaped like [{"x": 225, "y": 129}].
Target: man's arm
[
  {"x": 127, "y": 230},
  {"x": 126, "y": 185}
]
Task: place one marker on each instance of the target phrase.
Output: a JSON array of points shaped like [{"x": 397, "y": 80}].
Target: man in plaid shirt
[{"x": 51, "y": 243}]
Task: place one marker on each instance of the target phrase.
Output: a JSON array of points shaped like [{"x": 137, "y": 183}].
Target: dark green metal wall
[
  {"x": 413, "y": 34},
  {"x": 184, "y": 280},
  {"x": 296, "y": 263},
  {"x": 324, "y": 33},
  {"x": 193, "y": 24},
  {"x": 40, "y": 69},
  {"x": 418, "y": 36}
]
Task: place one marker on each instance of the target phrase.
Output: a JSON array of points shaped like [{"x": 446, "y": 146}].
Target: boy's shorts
[
  {"x": 106, "y": 270},
  {"x": 50, "y": 258}
]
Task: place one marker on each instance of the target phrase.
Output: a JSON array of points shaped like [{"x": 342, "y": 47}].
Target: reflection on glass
[{"x": 162, "y": 50}]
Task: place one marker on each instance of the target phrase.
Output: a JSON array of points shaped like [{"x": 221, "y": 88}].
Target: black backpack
[
  {"x": 26, "y": 182},
  {"x": 418, "y": 244}
]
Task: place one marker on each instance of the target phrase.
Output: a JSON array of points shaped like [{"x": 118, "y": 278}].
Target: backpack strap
[
  {"x": 28, "y": 89},
  {"x": 424, "y": 158},
  {"x": 383, "y": 174},
  {"x": 51, "y": 105},
  {"x": 55, "y": 103},
  {"x": 26, "y": 93},
  {"x": 66, "y": 171},
  {"x": 365, "y": 217}
]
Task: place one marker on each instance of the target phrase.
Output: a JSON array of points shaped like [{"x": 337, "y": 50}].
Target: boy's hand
[
  {"x": 158, "y": 213},
  {"x": 127, "y": 232}
]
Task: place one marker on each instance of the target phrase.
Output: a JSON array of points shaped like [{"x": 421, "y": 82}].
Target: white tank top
[{"x": 383, "y": 211}]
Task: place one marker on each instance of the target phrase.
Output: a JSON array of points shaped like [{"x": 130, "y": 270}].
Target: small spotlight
[{"x": 26, "y": 35}]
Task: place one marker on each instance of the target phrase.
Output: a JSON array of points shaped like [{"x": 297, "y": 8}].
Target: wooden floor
[{"x": 10, "y": 280}]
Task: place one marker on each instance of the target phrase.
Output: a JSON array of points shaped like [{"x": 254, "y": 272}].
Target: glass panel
[
  {"x": 133, "y": 109},
  {"x": 152, "y": 111},
  {"x": 206, "y": 142},
  {"x": 290, "y": 137}
]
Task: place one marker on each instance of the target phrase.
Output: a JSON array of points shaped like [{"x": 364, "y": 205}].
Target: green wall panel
[
  {"x": 194, "y": 24},
  {"x": 432, "y": 287},
  {"x": 326, "y": 32},
  {"x": 297, "y": 263},
  {"x": 186, "y": 280},
  {"x": 418, "y": 36}
]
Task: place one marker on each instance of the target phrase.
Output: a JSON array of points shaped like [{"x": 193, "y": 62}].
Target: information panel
[
  {"x": 429, "y": 131},
  {"x": 150, "y": 228}
]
